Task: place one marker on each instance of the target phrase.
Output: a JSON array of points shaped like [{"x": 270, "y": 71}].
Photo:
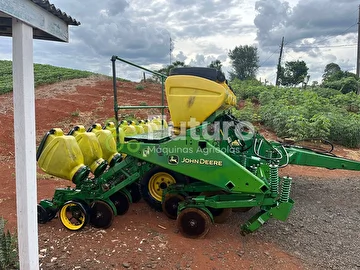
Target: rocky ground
[{"x": 322, "y": 229}]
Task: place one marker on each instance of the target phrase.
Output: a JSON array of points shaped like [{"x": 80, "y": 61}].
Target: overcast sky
[{"x": 316, "y": 31}]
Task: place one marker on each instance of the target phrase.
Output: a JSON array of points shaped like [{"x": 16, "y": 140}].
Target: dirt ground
[{"x": 144, "y": 238}]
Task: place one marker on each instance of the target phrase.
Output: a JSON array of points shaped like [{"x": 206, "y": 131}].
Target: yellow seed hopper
[{"x": 194, "y": 94}]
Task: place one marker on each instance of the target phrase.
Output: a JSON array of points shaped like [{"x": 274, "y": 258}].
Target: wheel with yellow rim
[
  {"x": 155, "y": 181},
  {"x": 73, "y": 215}
]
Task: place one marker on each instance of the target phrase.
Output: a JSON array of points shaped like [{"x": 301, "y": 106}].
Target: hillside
[{"x": 44, "y": 74}]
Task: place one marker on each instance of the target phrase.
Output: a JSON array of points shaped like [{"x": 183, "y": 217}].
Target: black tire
[
  {"x": 121, "y": 202},
  {"x": 42, "y": 214},
  {"x": 154, "y": 181},
  {"x": 220, "y": 215},
  {"x": 170, "y": 205},
  {"x": 135, "y": 193},
  {"x": 193, "y": 223},
  {"x": 101, "y": 214}
]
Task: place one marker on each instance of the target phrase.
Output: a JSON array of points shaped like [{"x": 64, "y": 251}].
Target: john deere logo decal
[{"x": 173, "y": 160}]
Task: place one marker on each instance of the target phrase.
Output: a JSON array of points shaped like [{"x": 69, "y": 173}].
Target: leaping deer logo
[
  {"x": 146, "y": 152},
  {"x": 174, "y": 160}
]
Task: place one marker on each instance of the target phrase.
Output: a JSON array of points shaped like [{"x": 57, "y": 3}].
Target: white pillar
[{"x": 25, "y": 144}]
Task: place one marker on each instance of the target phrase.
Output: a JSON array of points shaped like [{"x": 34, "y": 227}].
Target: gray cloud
[
  {"x": 133, "y": 41},
  {"x": 206, "y": 17},
  {"x": 309, "y": 28},
  {"x": 270, "y": 21},
  {"x": 317, "y": 19},
  {"x": 106, "y": 29},
  {"x": 136, "y": 32},
  {"x": 116, "y": 7},
  {"x": 267, "y": 58},
  {"x": 180, "y": 57},
  {"x": 139, "y": 31}
]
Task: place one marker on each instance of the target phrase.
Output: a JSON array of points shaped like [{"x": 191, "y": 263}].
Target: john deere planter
[{"x": 199, "y": 170}]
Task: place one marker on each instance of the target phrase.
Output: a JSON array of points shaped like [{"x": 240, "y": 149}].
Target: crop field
[
  {"x": 44, "y": 74},
  {"x": 301, "y": 114}
]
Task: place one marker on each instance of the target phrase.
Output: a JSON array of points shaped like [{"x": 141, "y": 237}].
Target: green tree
[
  {"x": 344, "y": 85},
  {"x": 294, "y": 73},
  {"x": 332, "y": 71},
  {"x": 216, "y": 64},
  {"x": 314, "y": 84},
  {"x": 166, "y": 70},
  {"x": 245, "y": 62},
  {"x": 335, "y": 78}
]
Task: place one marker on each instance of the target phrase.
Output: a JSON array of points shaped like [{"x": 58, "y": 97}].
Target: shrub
[
  {"x": 248, "y": 89},
  {"x": 75, "y": 113},
  {"x": 349, "y": 102},
  {"x": 9, "y": 258},
  {"x": 345, "y": 129},
  {"x": 248, "y": 113},
  {"x": 326, "y": 92},
  {"x": 344, "y": 85},
  {"x": 139, "y": 87},
  {"x": 305, "y": 114}
]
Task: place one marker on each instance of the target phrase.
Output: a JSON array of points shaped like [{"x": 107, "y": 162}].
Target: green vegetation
[
  {"x": 9, "y": 258},
  {"x": 216, "y": 64},
  {"x": 139, "y": 87},
  {"x": 343, "y": 81},
  {"x": 75, "y": 113},
  {"x": 166, "y": 70},
  {"x": 44, "y": 74},
  {"x": 245, "y": 62},
  {"x": 293, "y": 73},
  {"x": 300, "y": 114}
]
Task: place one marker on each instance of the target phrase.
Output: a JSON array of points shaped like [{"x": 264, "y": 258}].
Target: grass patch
[
  {"x": 75, "y": 113},
  {"x": 139, "y": 87}
]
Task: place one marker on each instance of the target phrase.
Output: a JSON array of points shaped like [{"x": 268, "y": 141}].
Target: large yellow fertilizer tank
[
  {"x": 107, "y": 143},
  {"x": 60, "y": 156},
  {"x": 193, "y": 94},
  {"x": 111, "y": 126},
  {"x": 90, "y": 148}
]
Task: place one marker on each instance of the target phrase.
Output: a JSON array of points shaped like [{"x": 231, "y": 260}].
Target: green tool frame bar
[{"x": 117, "y": 107}]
